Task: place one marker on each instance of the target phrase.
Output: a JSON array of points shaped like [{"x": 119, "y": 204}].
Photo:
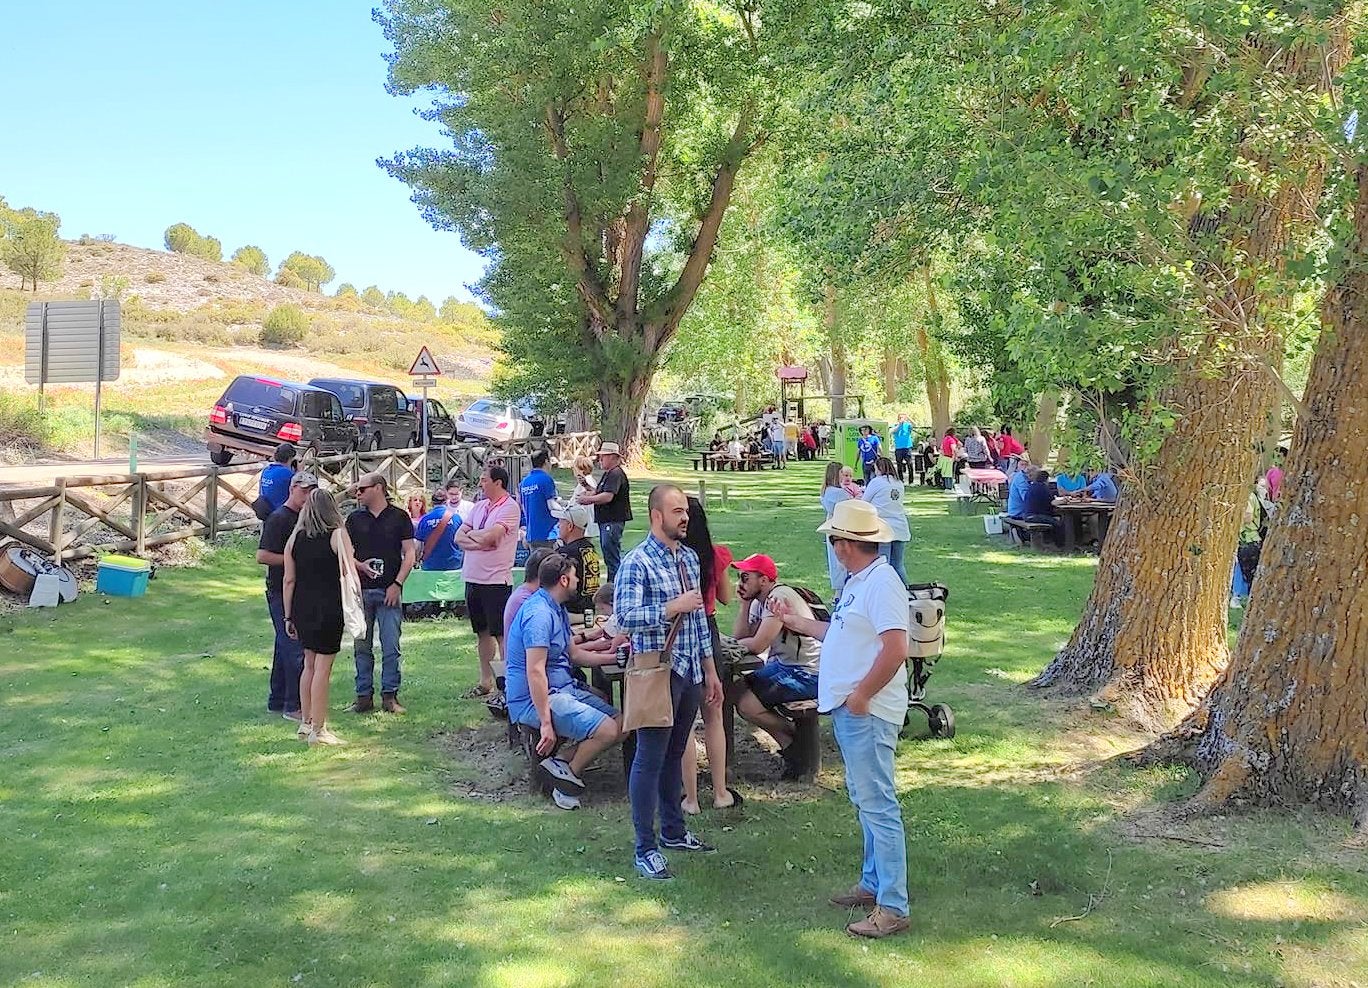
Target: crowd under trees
[{"x": 1135, "y": 230}]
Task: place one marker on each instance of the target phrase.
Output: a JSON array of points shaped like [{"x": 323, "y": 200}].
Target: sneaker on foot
[
  {"x": 324, "y": 736},
  {"x": 561, "y": 776},
  {"x": 687, "y": 843},
  {"x": 294, "y": 715},
  {"x": 855, "y": 897},
  {"x": 879, "y": 924},
  {"x": 563, "y": 801},
  {"x": 652, "y": 865}
]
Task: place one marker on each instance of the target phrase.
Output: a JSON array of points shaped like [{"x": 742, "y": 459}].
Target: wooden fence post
[
  {"x": 724, "y": 495},
  {"x": 57, "y": 522},
  {"x": 139, "y": 514},
  {"x": 211, "y": 502},
  {"x": 703, "y": 494}
]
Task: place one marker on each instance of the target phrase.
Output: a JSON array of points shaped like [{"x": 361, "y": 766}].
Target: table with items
[{"x": 1073, "y": 512}]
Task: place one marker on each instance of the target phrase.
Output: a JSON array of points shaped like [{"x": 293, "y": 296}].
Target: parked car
[
  {"x": 256, "y": 414},
  {"x": 441, "y": 426},
  {"x": 380, "y": 412},
  {"x": 672, "y": 411},
  {"x": 496, "y": 420}
]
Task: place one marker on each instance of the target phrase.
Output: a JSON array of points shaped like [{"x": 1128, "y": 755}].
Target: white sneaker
[
  {"x": 561, "y": 776},
  {"x": 563, "y": 801}
]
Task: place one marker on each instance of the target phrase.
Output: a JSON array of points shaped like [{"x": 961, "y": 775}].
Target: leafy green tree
[
  {"x": 311, "y": 270},
  {"x": 346, "y": 289},
  {"x": 253, "y": 259},
  {"x": 285, "y": 325},
  {"x": 182, "y": 238},
  {"x": 290, "y": 279},
  {"x": 597, "y": 183},
  {"x": 30, "y": 246},
  {"x": 456, "y": 312},
  {"x": 373, "y": 297}
]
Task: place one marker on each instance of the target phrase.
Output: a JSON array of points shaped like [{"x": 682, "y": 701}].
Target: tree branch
[
  {"x": 587, "y": 281},
  {"x": 638, "y": 223}
]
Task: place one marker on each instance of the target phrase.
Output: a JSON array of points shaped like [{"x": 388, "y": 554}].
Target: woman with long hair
[
  {"x": 976, "y": 451},
  {"x": 315, "y": 559},
  {"x": 713, "y": 563},
  {"x": 583, "y": 469},
  {"x": 417, "y": 506},
  {"x": 838, "y": 485},
  {"x": 885, "y": 492}
]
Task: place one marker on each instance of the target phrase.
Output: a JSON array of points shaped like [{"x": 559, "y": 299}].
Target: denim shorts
[
  {"x": 776, "y": 682},
  {"x": 576, "y": 713}
]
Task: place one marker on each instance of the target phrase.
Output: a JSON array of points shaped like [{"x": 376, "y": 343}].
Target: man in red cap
[{"x": 790, "y": 674}]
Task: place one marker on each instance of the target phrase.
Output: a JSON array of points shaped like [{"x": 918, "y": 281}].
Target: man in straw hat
[
  {"x": 612, "y": 503},
  {"x": 863, "y": 685}
]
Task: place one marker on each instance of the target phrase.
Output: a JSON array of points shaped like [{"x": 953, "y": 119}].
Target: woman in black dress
[{"x": 313, "y": 605}]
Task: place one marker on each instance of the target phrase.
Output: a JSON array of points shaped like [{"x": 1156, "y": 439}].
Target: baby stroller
[{"x": 925, "y": 643}]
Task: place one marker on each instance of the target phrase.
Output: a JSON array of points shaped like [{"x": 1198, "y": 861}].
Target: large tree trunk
[
  {"x": 1288, "y": 723},
  {"x": 890, "y": 374},
  {"x": 622, "y": 402},
  {"x": 836, "y": 386},
  {"x": 1042, "y": 429},
  {"x": 933, "y": 361},
  {"x": 1152, "y": 638}
]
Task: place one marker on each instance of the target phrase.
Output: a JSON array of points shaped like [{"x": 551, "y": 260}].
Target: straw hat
[
  {"x": 609, "y": 449},
  {"x": 858, "y": 521}
]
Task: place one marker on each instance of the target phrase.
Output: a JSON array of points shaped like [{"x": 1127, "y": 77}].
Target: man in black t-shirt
[
  {"x": 579, "y": 549},
  {"x": 612, "y": 505},
  {"x": 288, "y": 660},
  {"x": 382, "y": 537}
]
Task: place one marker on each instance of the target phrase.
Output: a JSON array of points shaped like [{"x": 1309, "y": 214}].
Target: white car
[{"x": 495, "y": 420}]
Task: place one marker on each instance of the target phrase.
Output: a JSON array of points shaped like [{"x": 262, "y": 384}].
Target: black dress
[{"x": 316, "y": 607}]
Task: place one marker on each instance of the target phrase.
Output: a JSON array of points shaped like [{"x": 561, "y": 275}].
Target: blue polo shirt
[
  {"x": 902, "y": 435},
  {"x": 1016, "y": 494},
  {"x": 1070, "y": 482},
  {"x": 275, "y": 484},
  {"x": 536, "y": 489},
  {"x": 539, "y": 623},
  {"x": 445, "y": 555},
  {"x": 869, "y": 447},
  {"x": 1102, "y": 488}
]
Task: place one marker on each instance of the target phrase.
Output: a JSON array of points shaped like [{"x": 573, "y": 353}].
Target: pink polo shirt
[{"x": 493, "y": 565}]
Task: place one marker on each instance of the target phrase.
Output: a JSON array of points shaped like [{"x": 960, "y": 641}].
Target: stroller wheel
[{"x": 941, "y": 720}]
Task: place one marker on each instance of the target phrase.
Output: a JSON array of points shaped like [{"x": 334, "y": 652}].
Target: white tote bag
[
  {"x": 992, "y": 524},
  {"x": 353, "y": 614}
]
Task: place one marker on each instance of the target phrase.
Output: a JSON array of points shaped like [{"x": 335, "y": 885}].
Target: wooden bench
[
  {"x": 807, "y": 738},
  {"x": 1033, "y": 531}
]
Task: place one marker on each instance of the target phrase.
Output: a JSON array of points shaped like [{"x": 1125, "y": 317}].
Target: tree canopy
[
  {"x": 182, "y": 238},
  {"x": 30, "y": 245}
]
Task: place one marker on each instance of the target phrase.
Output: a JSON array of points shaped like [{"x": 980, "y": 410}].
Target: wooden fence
[{"x": 76, "y": 517}]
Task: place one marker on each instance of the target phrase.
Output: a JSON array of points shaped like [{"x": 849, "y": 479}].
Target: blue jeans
[
  {"x": 390, "y": 621},
  {"x": 868, "y": 469},
  {"x": 610, "y": 537},
  {"x": 657, "y": 775},
  {"x": 867, "y": 746},
  {"x": 287, "y": 663},
  {"x": 893, "y": 552}
]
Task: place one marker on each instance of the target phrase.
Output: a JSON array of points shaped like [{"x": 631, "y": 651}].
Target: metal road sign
[
  {"x": 424, "y": 365},
  {"x": 71, "y": 342}
]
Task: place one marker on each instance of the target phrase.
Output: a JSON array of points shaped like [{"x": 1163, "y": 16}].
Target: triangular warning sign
[{"x": 424, "y": 365}]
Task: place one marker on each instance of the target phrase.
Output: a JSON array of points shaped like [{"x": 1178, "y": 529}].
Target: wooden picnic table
[{"x": 1071, "y": 513}]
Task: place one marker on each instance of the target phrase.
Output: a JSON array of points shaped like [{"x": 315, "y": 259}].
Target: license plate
[
  {"x": 480, "y": 419},
  {"x": 252, "y": 422}
]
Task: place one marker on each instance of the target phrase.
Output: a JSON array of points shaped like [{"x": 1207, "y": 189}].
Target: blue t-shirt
[
  {"x": 445, "y": 555},
  {"x": 1070, "y": 482},
  {"x": 869, "y": 447},
  {"x": 275, "y": 484},
  {"x": 539, "y": 623},
  {"x": 1016, "y": 494},
  {"x": 1103, "y": 487},
  {"x": 902, "y": 435},
  {"x": 536, "y": 489}
]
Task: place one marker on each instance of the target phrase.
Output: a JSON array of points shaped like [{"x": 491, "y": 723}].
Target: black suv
[
  {"x": 256, "y": 414},
  {"x": 380, "y": 411},
  {"x": 441, "y": 426}
]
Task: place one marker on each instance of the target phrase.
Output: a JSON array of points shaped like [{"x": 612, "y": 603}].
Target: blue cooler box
[{"x": 122, "y": 576}]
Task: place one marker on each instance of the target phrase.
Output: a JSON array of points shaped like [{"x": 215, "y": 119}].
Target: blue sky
[{"x": 254, "y": 122}]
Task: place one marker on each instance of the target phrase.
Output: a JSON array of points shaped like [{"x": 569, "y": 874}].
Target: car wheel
[
  {"x": 373, "y": 444},
  {"x": 219, "y": 456},
  {"x": 413, "y": 440}
]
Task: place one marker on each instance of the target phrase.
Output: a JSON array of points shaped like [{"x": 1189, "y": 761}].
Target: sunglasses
[
  {"x": 363, "y": 487},
  {"x": 833, "y": 539}
]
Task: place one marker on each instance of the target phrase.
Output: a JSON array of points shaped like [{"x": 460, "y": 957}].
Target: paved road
[{"x": 39, "y": 474}]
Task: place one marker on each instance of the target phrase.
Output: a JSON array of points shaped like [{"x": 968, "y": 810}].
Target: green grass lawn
[{"x": 160, "y": 829}]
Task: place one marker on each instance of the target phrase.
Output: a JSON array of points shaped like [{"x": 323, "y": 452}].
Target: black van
[
  {"x": 257, "y": 414},
  {"x": 380, "y": 411}
]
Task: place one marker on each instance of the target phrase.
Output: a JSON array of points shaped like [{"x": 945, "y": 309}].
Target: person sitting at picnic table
[
  {"x": 435, "y": 534},
  {"x": 1009, "y": 449},
  {"x": 754, "y": 446},
  {"x": 1072, "y": 482},
  {"x": 869, "y": 447},
  {"x": 1102, "y": 487},
  {"x": 542, "y": 691},
  {"x": 531, "y": 584},
  {"x": 976, "y": 449},
  {"x": 838, "y": 485},
  {"x": 718, "y": 444},
  {"x": 736, "y": 451},
  {"x": 573, "y": 521},
  {"x": 950, "y": 454},
  {"x": 791, "y": 660},
  {"x": 1016, "y": 490},
  {"x": 1039, "y": 508}
]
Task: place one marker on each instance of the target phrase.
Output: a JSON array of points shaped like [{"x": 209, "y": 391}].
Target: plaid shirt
[{"x": 647, "y": 580}]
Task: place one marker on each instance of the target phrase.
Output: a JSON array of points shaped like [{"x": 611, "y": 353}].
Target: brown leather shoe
[
  {"x": 364, "y": 703},
  {"x": 855, "y": 897},
  {"x": 879, "y": 924},
  {"x": 389, "y": 702}
]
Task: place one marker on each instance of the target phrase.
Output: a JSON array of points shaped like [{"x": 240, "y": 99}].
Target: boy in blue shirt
[
  {"x": 274, "y": 487},
  {"x": 868, "y": 445},
  {"x": 902, "y": 447},
  {"x": 536, "y": 493}
]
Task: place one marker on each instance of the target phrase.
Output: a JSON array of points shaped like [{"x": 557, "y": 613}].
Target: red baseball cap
[{"x": 757, "y": 563}]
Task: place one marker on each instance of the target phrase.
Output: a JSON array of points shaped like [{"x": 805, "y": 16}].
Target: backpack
[{"x": 820, "y": 612}]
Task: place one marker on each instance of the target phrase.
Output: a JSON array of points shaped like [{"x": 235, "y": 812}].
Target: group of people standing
[{"x": 884, "y": 491}]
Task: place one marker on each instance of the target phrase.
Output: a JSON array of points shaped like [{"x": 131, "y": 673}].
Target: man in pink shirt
[{"x": 489, "y": 538}]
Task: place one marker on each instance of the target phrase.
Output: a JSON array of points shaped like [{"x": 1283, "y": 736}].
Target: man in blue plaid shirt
[{"x": 656, "y": 583}]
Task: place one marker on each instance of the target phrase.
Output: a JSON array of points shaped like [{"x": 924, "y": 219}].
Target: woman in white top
[
  {"x": 838, "y": 485},
  {"x": 885, "y": 492},
  {"x": 585, "y": 484}
]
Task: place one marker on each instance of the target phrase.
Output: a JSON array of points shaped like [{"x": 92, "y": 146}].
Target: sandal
[
  {"x": 737, "y": 800},
  {"x": 476, "y": 692}
]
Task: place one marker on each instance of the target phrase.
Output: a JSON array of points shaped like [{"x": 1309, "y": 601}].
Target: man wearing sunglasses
[{"x": 382, "y": 538}]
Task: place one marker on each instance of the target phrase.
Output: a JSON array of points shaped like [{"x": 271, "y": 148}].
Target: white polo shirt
[{"x": 873, "y": 601}]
